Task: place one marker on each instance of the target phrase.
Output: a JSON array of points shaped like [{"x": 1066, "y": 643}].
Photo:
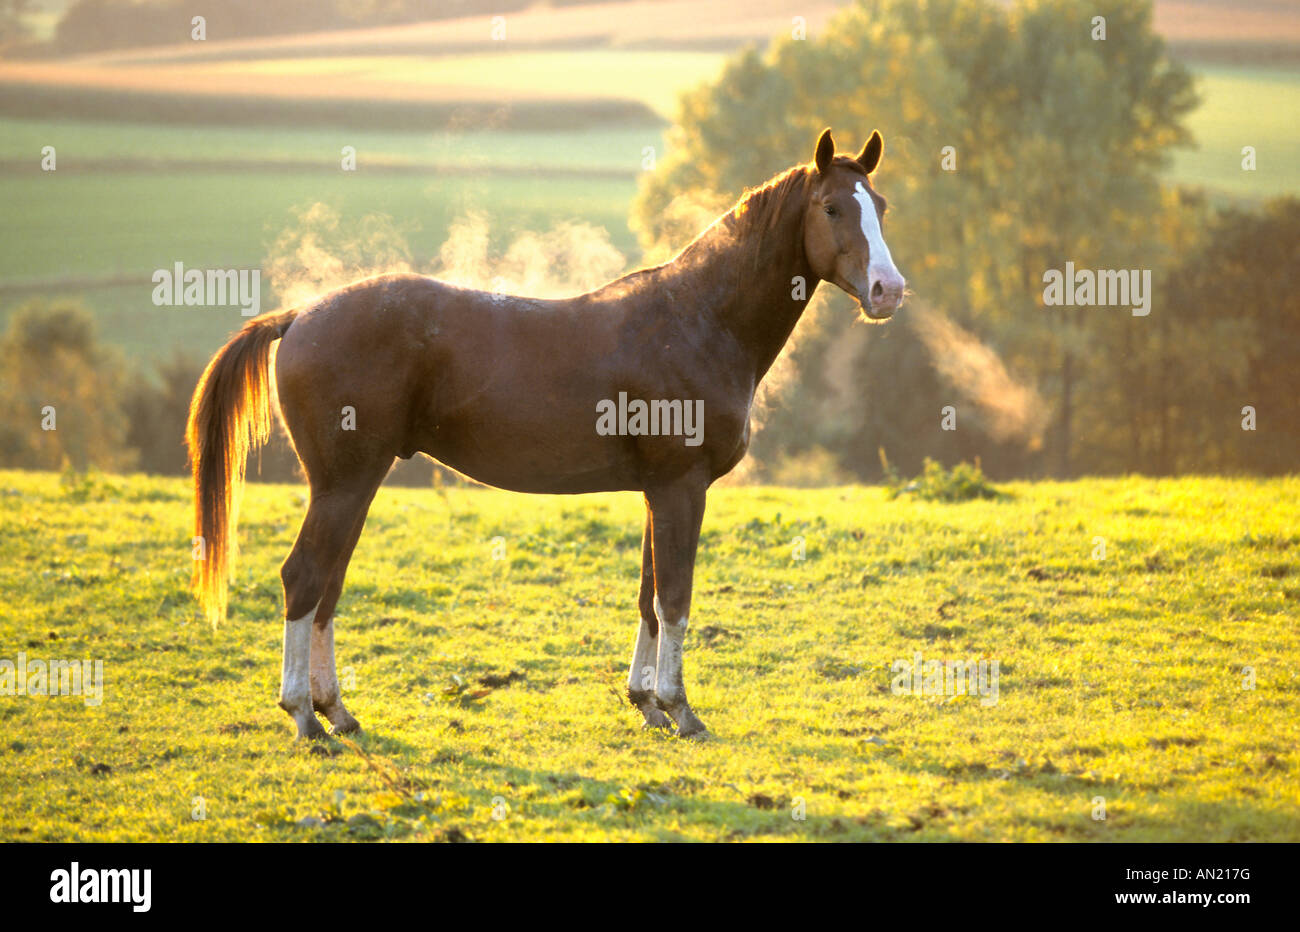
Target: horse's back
[
  {"x": 495, "y": 386},
  {"x": 473, "y": 378}
]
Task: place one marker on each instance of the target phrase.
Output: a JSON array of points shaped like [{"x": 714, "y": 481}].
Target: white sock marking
[
  {"x": 295, "y": 682},
  {"x": 641, "y": 675},
  {"x": 669, "y": 686},
  {"x": 324, "y": 677}
]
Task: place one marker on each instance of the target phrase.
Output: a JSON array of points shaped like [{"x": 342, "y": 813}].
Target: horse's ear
[
  {"x": 869, "y": 157},
  {"x": 825, "y": 151}
]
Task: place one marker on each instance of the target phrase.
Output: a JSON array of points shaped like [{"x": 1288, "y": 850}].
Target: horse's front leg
[
  {"x": 676, "y": 511},
  {"x": 645, "y": 656}
]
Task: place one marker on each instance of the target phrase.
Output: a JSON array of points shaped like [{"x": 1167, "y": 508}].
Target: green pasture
[{"x": 1152, "y": 683}]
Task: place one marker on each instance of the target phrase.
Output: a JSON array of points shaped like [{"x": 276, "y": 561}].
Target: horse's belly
[{"x": 561, "y": 460}]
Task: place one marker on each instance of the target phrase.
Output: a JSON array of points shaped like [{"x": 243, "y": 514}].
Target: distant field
[
  {"x": 130, "y": 198},
  {"x": 131, "y": 223},
  {"x": 612, "y": 150},
  {"x": 1257, "y": 107},
  {"x": 1241, "y": 23},
  {"x": 1235, "y": 27},
  {"x": 654, "y": 24},
  {"x": 556, "y": 77},
  {"x": 1120, "y": 680},
  {"x": 1241, "y": 106},
  {"x": 655, "y": 78}
]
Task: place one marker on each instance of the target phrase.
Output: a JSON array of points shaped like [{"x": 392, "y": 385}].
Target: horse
[{"x": 519, "y": 393}]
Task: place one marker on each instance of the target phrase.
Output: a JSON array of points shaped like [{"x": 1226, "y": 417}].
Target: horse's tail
[{"x": 230, "y": 414}]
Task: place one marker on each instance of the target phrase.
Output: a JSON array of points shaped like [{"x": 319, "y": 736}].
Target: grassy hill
[{"x": 1122, "y": 678}]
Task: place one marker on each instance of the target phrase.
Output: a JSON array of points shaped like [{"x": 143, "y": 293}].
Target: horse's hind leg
[
  {"x": 641, "y": 675},
  {"x": 326, "y": 696},
  {"x": 313, "y": 579}
]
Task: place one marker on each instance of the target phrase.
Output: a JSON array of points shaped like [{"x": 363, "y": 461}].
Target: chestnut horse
[{"x": 520, "y": 393}]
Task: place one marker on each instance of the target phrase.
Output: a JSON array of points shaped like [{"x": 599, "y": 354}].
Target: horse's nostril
[{"x": 877, "y": 291}]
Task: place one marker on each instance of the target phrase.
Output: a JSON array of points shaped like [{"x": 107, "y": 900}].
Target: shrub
[{"x": 963, "y": 482}]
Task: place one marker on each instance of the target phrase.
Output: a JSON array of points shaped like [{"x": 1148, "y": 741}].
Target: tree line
[{"x": 1017, "y": 139}]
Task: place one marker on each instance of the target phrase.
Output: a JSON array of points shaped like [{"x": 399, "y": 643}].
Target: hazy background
[{"x": 551, "y": 149}]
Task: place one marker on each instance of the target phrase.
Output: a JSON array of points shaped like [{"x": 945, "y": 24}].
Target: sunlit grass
[{"x": 1120, "y": 678}]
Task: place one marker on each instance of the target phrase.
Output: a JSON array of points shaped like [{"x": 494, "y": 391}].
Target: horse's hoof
[
  {"x": 656, "y": 721},
  {"x": 688, "y": 726},
  {"x": 348, "y": 726},
  {"x": 311, "y": 730}
]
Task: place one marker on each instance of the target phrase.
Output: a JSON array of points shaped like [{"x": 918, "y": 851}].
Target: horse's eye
[{"x": 830, "y": 210}]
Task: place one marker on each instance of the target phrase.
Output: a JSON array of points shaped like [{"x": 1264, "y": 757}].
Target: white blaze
[{"x": 881, "y": 262}]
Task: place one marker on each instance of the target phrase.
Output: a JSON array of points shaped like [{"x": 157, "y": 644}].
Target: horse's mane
[
  {"x": 768, "y": 206},
  {"x": 759, "y": 211},
  {"x": 765, "y": 207}
]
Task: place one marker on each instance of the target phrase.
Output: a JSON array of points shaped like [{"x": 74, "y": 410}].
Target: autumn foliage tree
[{"x": 1017, "y": 139}]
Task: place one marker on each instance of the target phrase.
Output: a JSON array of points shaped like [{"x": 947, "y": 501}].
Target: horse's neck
[{"x": 756, "y": 288}]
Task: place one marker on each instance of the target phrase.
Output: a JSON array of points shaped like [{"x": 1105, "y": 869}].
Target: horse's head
[{"x": 842, "y": 233}]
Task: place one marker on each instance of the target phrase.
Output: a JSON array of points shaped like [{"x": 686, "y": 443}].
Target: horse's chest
[{"x": 738, "y": 449}]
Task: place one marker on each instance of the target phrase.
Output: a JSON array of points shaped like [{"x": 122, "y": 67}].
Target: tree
[
  {"x": 60, "y": 392},
  {"x": 1015, "y": 142},
  {"x": 1239, "y": 295}
]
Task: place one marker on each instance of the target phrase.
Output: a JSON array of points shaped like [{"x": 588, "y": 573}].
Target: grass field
[
  {"x": 1240, "y": 106},
  {"x": 654, "y": 78},
  {"x": 1121, "y": 678},
  {"x": 656, "y": 24}
]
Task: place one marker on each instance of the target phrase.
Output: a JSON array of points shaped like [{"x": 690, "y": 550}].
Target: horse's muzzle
[
  {"x": 881, "y": 307},
  {"x": 880, "y": 298},
  {"x": 884, "y": 294}
]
